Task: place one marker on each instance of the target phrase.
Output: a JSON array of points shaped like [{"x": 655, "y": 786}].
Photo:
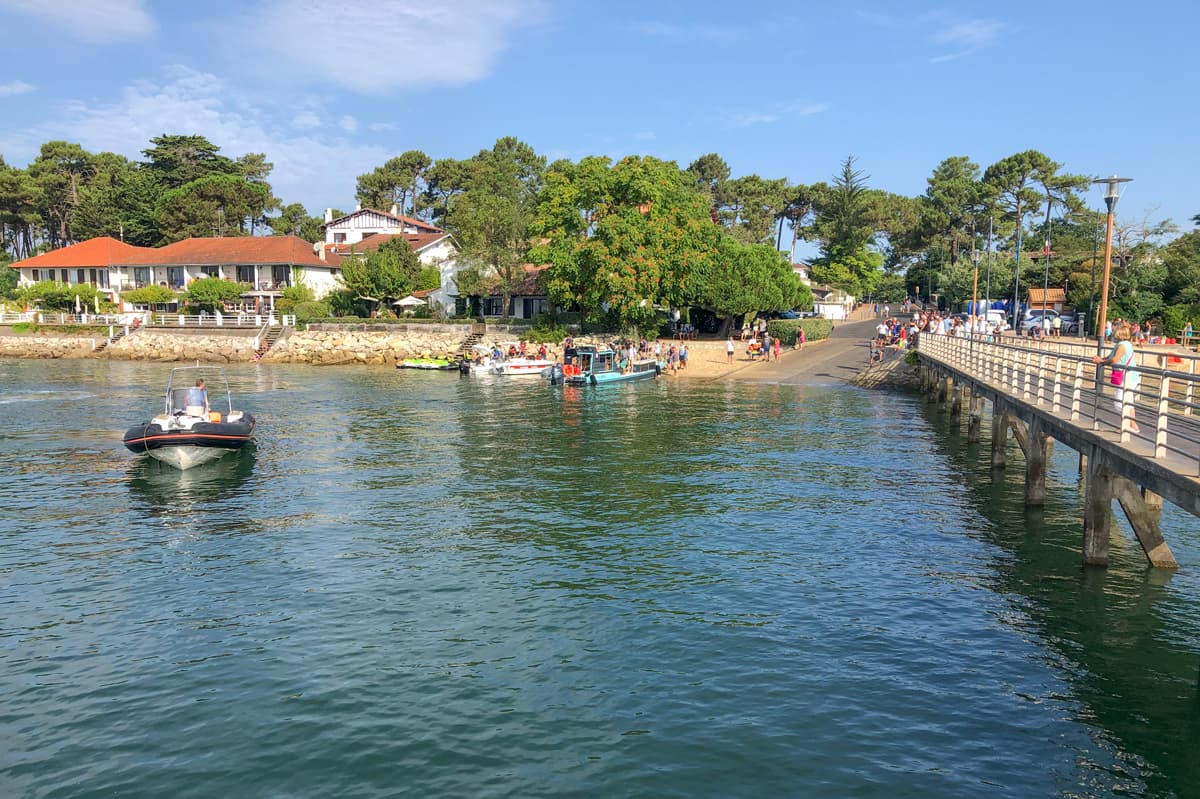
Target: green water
[{"x": 424, "y": 585}]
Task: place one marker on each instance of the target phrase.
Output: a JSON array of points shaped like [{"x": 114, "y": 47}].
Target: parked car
[
  {"x": 811, "y": 315},
  {"x": 1070, "y": 324},
  {"x": 1033, "y": 318}
]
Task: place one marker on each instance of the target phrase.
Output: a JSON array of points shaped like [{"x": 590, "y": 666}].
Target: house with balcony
[
  {"x": 266, "y": 264},
  {"x": 356, "y": 234}
]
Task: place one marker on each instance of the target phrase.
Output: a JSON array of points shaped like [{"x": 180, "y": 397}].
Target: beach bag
[{"x": 1117, "y": 378}]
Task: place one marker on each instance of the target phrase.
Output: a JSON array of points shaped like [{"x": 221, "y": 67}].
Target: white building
[
  {"x": 366, "y": 229},
  {"x": 268, "y": 264}
]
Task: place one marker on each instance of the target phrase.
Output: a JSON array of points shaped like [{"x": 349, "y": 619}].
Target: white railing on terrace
[
  {"x": 222, "y": 320},
  {"x": 1064, "y": 381},
  {"x": 157, "y": 319}
]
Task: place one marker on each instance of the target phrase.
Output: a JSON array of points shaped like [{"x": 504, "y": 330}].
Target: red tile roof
[
  {"x": 1053, "y": 295},
  {"x": 418, "y": 241},
  {"x": 234, "y": 250},
  {"x": 529, "y": 285},
  {"x": 104, "y": 251},
  {"x": 402, "y": 220},
  {"x": 241, "y": 250}
]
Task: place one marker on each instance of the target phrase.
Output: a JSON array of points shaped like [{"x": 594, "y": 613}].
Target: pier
[{"x": 1049, "y": 390}]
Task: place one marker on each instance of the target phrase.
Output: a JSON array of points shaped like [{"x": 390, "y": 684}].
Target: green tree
[
  {"x": 750, "y": 207},
  {"x": 19, "y": 218},
  {"x": 384, "y": 274},
  {"x": 744, "y": 278},
  {"x": 211, "y": 293},
  {"x": 174, "y": 160},
  {"x": 60, "y": 170},
  {"x": 150, "y": 295},
  {"x": 952, "y": 204},
  {"x": 293, "y": 220},
  {"x": 709, "y": 173},
  {"x": 843, "y": 219},
  {"x": 214, "y": 205},
  {"x": 627, "y": 239},
  {"x": 1181, "y": 258},
  {"x": 398, "y": 181},
  {"x": 490, "y": 217}
]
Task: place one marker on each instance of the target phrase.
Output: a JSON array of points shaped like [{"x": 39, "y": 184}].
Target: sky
[{"x": 330, "y": 89}]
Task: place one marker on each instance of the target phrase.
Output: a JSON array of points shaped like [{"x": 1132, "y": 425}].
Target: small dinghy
[{"x": 189, "y": 432}]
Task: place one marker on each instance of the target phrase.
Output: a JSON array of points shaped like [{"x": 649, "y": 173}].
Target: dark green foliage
[
  {"x": 310, "y": 311},
  {"x": 429, "y": 279},
  {"x": 150, "y": 295},
  {"x": 787, "y": 330},
  {"x": 211, "y": 293},
  {"x": 52, "y": 296}
]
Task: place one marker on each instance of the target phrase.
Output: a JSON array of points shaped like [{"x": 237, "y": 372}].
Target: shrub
[
  {"x": 786, "y": 330},
  {"x": 1176, "y": 317}
]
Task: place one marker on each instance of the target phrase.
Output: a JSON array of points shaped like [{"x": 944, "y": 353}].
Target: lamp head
[{"x": 1112, "y": 190}]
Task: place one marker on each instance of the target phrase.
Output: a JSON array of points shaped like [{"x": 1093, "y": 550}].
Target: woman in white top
[{"x": 1122, "y": 360}]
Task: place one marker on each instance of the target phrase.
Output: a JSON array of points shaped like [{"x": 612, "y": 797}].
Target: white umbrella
[
  {"x": 409, "y": 301},
  {"x": 97, "y": 303},
  {"x": 78, "y": 307}
]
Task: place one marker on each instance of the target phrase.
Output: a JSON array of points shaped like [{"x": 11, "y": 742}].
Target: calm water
[{"x": 431, "y": 586}]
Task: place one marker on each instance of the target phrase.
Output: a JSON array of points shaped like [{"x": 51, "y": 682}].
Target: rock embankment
[
  {"x": 41, "y": 346},
  {"x": 893, "y": 373},
  {"x": 372, "y": 347},
  {"x": 150, "y": 345}
]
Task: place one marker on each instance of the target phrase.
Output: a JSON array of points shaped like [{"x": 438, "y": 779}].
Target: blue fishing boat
[{"x": 593, "y": 366}]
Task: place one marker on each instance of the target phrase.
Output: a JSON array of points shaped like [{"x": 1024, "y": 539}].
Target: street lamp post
[
  {"x": 987, "y": 291},
  {"x": 1111, "y": 194}
]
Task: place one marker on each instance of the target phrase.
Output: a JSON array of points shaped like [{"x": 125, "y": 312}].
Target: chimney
[
  {"x": 328, "y": 215},
  {"x": 322, "y": 253},
  {"x": 395, "y": 211},
  {"x": 358, "y": 206}
]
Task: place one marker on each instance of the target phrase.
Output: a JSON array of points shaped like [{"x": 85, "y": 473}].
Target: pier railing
[{"x": 1060, "y": 377}]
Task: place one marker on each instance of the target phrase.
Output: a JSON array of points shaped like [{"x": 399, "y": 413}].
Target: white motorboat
[
  {"x": 188, "y": 432},
  {"x": 523, "y": 367}
]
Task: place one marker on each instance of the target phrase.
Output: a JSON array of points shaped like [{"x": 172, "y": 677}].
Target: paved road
[{"x": 838, "y": 358}]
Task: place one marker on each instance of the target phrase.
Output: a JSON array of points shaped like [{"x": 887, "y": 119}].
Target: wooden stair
[
  {"x": 116, "y": 336},
  {"x": 465, "y": 351}
]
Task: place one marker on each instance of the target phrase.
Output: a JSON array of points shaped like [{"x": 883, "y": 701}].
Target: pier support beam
[
  {"x": 956, "y": 395},
  {"x": 974, "y": 417},
  {"x": 945, "y": 389},
  {"x": 1036, "y": 457},
  {"x": 999, "y": 437},
  {"x": 1097, "y": 510},
  {"x": 1143, "y": 509}
]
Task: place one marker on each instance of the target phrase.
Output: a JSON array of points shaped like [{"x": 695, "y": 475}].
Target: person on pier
[{"x": 1124, "y": 375}]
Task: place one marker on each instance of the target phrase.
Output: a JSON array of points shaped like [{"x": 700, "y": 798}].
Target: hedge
[{"x": 786, "y": 330}]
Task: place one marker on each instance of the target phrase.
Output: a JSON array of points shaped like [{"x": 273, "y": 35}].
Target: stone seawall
[
  {"x": 370, "y": 346},
  {"x": 156, "y": 345},
  {"x": 379, "y": 345},
  {"x": 41, "y": 346}
]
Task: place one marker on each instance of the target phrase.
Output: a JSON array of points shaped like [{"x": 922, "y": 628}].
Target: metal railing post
[{"x": 1160, "y": 422}]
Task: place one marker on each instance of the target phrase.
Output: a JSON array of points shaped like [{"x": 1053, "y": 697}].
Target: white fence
[
  {"x": 1063, "y": 380},
  {"x": 149, "y": 319}
]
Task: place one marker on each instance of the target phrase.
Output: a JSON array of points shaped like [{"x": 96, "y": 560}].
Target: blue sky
[{"x": 329, "y": 89}]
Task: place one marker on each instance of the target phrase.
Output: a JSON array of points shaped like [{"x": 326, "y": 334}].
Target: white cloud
[
  {"x": 348, "y": 123},
  {"x": 317, "y": 167},
  {"x": 380, "y": 127},
  {"x": 966, "y": 37},
  {"x": 306, "y": 120},
  {"x": 774, "y": 113},
  {"x": 15, "y": 87},
  {"x": 427, "y": 42},
  {"x": 91, "y": 20}
]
